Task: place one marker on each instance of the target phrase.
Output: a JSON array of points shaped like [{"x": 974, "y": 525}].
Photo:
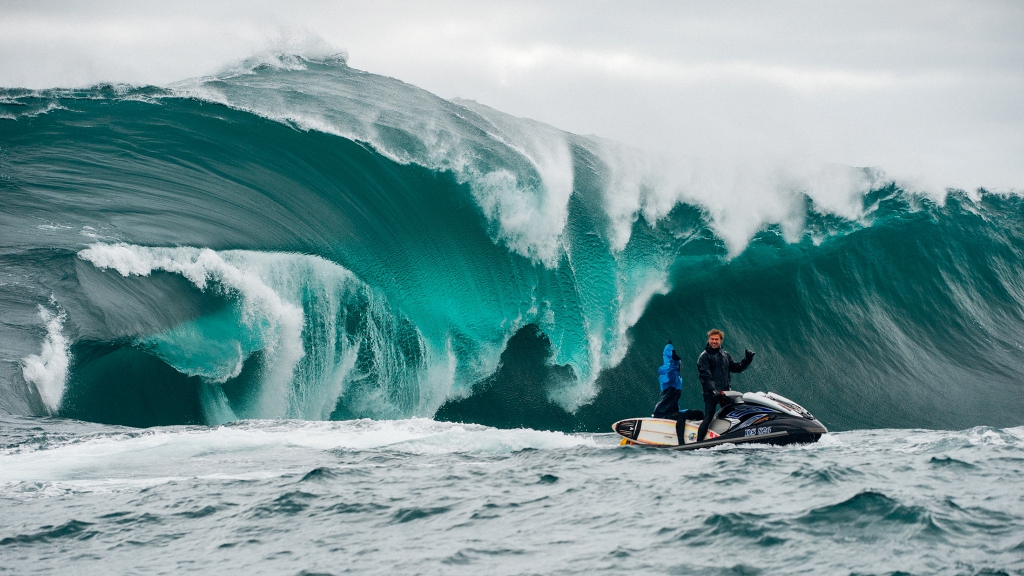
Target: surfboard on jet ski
[{"x": 750, "y": 417}]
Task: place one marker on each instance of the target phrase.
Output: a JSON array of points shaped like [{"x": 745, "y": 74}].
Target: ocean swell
[{"x": 299, "y": 239}]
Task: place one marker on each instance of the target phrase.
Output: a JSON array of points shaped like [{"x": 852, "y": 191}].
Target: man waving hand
[{"x": 715, "y": 367}]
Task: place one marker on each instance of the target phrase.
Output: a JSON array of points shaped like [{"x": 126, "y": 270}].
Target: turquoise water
[
  {"x": 305, "y": 240},
  {"x": 299, "y": 318}
]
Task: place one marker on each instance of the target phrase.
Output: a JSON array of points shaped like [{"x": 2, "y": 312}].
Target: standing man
[
  {"x": 715, "y": 367},
  {"x": 671, "y": 384}
]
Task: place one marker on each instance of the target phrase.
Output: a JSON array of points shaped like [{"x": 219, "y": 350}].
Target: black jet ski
[{"x": 754, "y": 417}]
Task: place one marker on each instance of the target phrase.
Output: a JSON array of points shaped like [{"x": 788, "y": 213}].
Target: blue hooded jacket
[{"x": 668, "y": 374}]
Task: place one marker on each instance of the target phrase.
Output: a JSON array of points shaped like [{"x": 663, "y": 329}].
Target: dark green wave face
[{"x": 304, "y": 240}]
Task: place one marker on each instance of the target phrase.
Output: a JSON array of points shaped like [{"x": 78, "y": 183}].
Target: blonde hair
[{"x": 714, "y": 331}]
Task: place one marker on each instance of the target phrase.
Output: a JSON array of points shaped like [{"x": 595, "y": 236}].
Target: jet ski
[{"x": 749, "y": 417}]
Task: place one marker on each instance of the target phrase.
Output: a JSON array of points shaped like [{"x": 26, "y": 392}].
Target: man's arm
[
  {"x": 740, "y": 366},
  {"x": 704, "y": 370}
]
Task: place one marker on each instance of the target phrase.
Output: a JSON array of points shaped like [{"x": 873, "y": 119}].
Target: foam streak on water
[{"x": 418, "y": 496}]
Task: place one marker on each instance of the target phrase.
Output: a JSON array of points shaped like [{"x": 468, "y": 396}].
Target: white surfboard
[{"x": 657, "y": 431}]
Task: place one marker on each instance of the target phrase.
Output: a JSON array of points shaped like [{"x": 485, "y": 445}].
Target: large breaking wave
[{"x": 299, "y": 239}]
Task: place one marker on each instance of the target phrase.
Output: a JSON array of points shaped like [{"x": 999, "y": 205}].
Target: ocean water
[
  {"x": 424, "y": 497},
  {"x": 300, "y": 317}
]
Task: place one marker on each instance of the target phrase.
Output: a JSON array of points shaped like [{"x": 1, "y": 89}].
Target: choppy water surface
[{"x": 425, "y": 497}]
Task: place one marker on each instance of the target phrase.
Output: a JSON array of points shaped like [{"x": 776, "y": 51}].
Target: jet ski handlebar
[{"x": 732, "y": 397}]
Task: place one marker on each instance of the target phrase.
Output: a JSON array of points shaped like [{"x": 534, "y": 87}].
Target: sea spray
[{"x": 48, "y": 370}]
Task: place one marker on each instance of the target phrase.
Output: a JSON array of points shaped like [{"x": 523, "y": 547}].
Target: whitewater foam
[
  {"x": 741, "y": 197},
  {"x": 526, "y": 195},
  {"x": 48, "y": 370},
  {"x": 326, "y": 339},
  {"x": 278, "y": 324},
  {"x": 531, "y": 218},
  {"x": 90, "y": 460}
]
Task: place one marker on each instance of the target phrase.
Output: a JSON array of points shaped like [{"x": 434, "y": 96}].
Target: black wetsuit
[
  {"x": 715, "y": 367},
  {"x": 668, "y": 405}
]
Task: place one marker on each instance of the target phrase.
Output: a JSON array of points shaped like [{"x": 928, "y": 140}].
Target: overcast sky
[{"x": 928, "y": 90}]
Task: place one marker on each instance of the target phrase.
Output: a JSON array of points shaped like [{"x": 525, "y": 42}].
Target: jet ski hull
[
  {"x": 751, "y": 418},
  {"x": 775, "y": 431}
]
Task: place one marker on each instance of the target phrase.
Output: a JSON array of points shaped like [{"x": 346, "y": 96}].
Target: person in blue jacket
[{"x": 671, "y": 384}]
